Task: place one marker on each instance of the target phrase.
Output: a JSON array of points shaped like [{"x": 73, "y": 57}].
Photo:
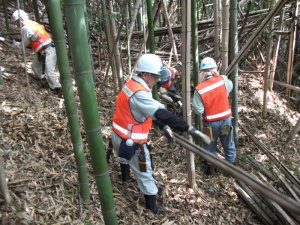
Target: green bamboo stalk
[
  {"x": 150, "y": 27},
  {"x": 74, "y": 12},
  {"x": 151, "y": 39},
  {"x": 233, "y": 51},
  {"x": 195, "y": 53},
  {"x": 55, "y": 19}
]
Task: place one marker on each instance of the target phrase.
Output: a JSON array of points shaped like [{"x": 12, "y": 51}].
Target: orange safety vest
[
  {"x": 214, "y": 97},
  {"x": 123, "y": 122},
  {"x": 171, "y": 79},
  {"x": 43, "y": 37}
]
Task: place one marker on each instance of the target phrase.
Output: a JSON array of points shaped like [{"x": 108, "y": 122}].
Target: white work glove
[
  {"x": 168, "y": 134},
  {"x": 198, "y": 134},
  {"x": 163, "y": 91},
  {"x": 179, "y": 104},
  {"x": 2, "y": 39},
  {"x": 16, "y": 43}
]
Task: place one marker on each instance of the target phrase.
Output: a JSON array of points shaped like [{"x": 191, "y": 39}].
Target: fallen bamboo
[
  {"x": 262, "y": 147},
  {"x": 257, "y": 205},
  {"x": 240, "y": 174}
]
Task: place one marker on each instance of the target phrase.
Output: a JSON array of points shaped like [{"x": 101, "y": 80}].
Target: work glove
[
  {"x": 196, "y": 134},
  {"x": 179, "y": 104},
  {"x": 16, "y": 43},
  {"x": 168, "y": 134},
  {"x": 163, "y": 91},
  {"x": 2, "y": 39}
]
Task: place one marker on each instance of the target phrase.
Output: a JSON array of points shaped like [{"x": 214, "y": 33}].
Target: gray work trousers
[{"x": 50, "y": 68}]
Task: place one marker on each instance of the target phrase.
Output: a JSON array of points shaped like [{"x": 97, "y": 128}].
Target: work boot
[
  {"x": 151, "y": 203},
  {"x": 57, "y": 91},
  {"x": 210, "y": 170},
  {"x": 125, "y": 172}
]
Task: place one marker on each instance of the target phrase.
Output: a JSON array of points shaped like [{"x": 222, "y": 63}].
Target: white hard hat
[
  {"x": 19, "y": 14},
  {"x": 150, "y": 63},
  {"x": 208, "y": 64}
]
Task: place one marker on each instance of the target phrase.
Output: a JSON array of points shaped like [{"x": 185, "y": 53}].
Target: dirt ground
[{"x": 41, "y": 170}]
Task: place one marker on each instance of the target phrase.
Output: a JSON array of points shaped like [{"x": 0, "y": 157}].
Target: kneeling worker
[{"x": 166, "y": 84}]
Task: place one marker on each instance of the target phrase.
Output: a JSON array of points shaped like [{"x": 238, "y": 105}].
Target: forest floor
[{"x": 41, "y": 170}]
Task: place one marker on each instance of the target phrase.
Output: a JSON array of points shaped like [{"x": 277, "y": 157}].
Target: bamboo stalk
[
  {"x": 186, "y": 62},
  {"x": 171, "y": 35},
  {"x": 292, "y": 49},
  {"x": 268, "y": 67},
  {"x": 255, "y": 35},
  {"x": 55, "y": 19},
  {"x": 78, "y": 40}
]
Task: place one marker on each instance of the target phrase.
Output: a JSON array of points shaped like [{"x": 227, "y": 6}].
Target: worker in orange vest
[
  {"x": 132, "y": 121},
  {"x": 211, "y": 101},
  {"x": 38, "y": 39},
  {"x": 166, "y": 85}
]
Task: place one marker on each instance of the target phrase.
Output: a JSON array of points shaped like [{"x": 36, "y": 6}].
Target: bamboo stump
[{"x": 3, "y": 184}]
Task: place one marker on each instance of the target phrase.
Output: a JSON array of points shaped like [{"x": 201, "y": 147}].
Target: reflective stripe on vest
[
  {"x": 219, "y": 115},
  {"x": 124, "y": 123},
  {"x": 43, "y": 38},
  {"x": 214, "y": 97},
  {"x": 139, "y": 136}
]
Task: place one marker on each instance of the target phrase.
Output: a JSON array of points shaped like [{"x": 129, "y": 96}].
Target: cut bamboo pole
[
  {"x": 287, "y": 85},
  {"x": 186, "y": 87},
  {"x": 169, "y": 26},
  {"x": 257, "y": 206},
  {"x": 262, "y": 147},
  {"x": 275, "y": 52},
  {"x": 255, "y": 35},
  {"x": 293, "y": 132},
  {"x": 225, "y": 35},
  {"x": 268, "y": 66},
  {"x": 292, "y": 49}
]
